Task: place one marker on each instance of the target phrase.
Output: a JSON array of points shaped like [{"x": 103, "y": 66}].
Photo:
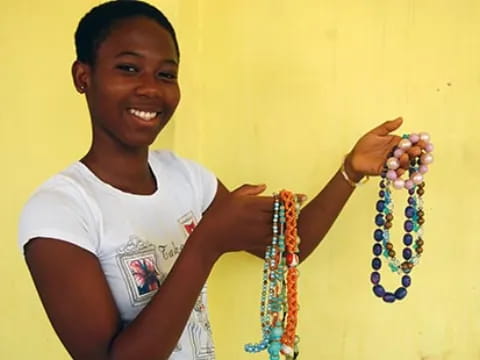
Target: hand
[
  {"x": 238, "y": 220},
  {"x": 370, "y": 153}
]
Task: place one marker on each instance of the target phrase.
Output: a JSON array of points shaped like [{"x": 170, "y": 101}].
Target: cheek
[{"x": 173, "y": 97}]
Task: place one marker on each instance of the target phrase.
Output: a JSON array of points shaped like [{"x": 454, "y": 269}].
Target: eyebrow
[{"x": 136, "y": 54}]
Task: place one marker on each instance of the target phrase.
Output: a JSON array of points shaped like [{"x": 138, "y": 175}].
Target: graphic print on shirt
[
  {"x": 138, "y": 264},
  {"x": 199, "y": 330},
  {"x": 188, "y": 223}
]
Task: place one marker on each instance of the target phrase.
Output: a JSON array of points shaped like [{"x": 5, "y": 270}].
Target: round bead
[
  {"x": 380, "y": 205},
  {"x": 423, "y": 169},
  {"x": 407, "y": 253},
  {"x": 375, "y": 277},
  {"x": 379, "y": 220},
  {"x": 377, "y": 249},
  {"x": 379, "y": 290},
  {"x": 408, "y": 226},
  {"x": 406, "y": 281},
  {"x": 404, "y": 144},
  {"x": 425, "y": 137},
  {"x": 376, "y": 263},
  {"x": 417, "y": 178},
  {"x": 429, "y": 147},
  {"x": 400, "y": 293},
  {"x": 388, "y": 297},
  {"x": 378, "y": 235},
  {"x": 411, "y": 200},
  {"x": 414, "y": 138},
  {"x": 409, "y": 212},
  {"x": 398, "y": 152},
  {"x": 419, "y": 242},
  {"x": 391, "y": 253},
  {"x": 391, "y": 174},
  {"x": 420, "y": 191},
  {"x": 381, "y": 193},
  {"x": 277, "y": 332},
  {"x": 389, "y": 246},
  {"x": 407, "y": 239},
  {"x": 393, "y": 163},
  {"x": 274, "y": 348},
  {"x": 389, "y": 217},
  {"x": 399, "y": 184},
  {"x": 409, "y": 184},
  {"x": 426, "y": 159}
]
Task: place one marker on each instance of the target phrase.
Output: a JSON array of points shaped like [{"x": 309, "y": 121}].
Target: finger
[
  {"x": 388, "y": 127},
  {"x": 249, "y": 190},
  {"x": 301, "y": 199}
]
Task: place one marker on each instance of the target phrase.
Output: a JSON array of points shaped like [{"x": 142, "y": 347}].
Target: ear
[{"x": 81, "y": 74}]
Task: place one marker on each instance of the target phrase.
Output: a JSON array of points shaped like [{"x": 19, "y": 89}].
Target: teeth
[{"x": 143, "y": 114}]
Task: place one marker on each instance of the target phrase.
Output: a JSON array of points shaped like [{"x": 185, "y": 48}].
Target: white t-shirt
[{"x": 136, "y": 238}]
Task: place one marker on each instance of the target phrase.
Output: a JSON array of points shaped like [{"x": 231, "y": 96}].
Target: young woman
[{"x": 120, "y": 244}]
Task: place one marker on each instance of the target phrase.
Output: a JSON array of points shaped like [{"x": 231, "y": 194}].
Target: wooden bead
[{"x": 414, "y": 151}]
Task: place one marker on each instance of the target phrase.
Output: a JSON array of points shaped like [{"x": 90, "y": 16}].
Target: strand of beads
[
  {"x": 279, "y": 306},
  {"x": 289, "y": 338},
  {"x": 272, "y": 270},
  {"x": 418, "y": 149}
]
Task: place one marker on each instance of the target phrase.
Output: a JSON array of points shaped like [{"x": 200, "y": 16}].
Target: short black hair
[{"x": 96, "y": 25}]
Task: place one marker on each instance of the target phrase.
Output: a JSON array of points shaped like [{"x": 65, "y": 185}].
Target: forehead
[{"x": 139, "y": 34}]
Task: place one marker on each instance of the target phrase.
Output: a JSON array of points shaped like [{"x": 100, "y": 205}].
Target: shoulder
[
  {"x": 66, "y": 186},
  {"x": 59, "y": 208}
]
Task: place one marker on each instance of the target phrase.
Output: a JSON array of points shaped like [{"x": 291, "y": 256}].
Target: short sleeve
[
  {"x": 58, "y": 210},
  {"x": 204, "y": 181}
]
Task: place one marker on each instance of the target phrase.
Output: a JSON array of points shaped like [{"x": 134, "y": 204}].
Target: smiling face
[{"x": 132, "y": 89}]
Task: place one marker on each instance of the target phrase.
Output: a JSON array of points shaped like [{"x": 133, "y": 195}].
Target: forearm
[
  {"x": 157, "y": 329},
  {"x": 317, "y": 217}
]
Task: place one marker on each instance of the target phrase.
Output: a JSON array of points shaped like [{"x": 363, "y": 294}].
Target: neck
[{"x": 126, "y": 169}]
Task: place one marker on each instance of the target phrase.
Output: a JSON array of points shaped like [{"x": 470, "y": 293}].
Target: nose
[{"x": 149, "y": 86}]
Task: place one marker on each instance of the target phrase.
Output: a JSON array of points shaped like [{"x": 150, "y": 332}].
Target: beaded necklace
[
  {"x": 278, "y": 305},
  {"x": 418, "y": 149}
]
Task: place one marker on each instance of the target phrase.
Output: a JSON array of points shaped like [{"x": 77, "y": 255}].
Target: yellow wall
[{"x": 276, "y": 92}]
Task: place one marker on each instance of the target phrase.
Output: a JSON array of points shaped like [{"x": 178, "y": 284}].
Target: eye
[
  {"x": 127, "y": 68},
  {"x": 167, "y": 75}
]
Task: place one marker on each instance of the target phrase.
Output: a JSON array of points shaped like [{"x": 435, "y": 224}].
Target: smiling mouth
[{"x": 144, "y": 115}]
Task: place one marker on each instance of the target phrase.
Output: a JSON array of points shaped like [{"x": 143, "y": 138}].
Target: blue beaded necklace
[
  {"x": 273, "y": 304},
  {"x": 412, "y": 238},
  {"x": 272, "y": 301}
]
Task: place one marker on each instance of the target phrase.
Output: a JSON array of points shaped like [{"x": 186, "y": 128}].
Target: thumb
[
  {"x": 247, "y": 189},
  {"x": 388, "y": 127}
]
